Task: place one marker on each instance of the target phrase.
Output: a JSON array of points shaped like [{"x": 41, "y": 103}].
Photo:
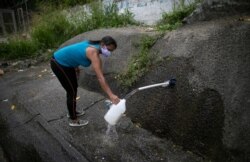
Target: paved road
[
  {"x": 34, "y": 126},
  {"x": 31, "y": 101}
]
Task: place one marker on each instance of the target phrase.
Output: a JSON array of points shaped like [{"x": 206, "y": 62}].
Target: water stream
[{"x": 111, "y": 136}]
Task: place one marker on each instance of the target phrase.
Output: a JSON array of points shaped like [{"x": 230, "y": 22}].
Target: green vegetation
[
  {"x": 55, "y": 26},
  {"x": 18, "y": 48},
  {"x": 63, "y": 3},
  {"x": 100, "y": 17},
  {"x": 139, "y": 64},
  {"x": 173, "y": 20},
  {"x": 53, "y": 30}
]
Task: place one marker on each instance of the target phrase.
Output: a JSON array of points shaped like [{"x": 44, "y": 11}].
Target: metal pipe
[
  {"x": 164, "y": 84},
  {"x": 167, "y": 83}
]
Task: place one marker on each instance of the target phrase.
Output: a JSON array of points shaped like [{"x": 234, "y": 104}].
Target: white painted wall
[{"x": 146, "y": 11}]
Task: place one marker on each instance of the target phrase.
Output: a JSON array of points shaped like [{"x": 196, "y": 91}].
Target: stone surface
[
  {"x": 213, "y": 9},
  {"x": 207, "y": 112},
  {"x": 208, "y": 109},
  {"x": 34, "y": 126}
]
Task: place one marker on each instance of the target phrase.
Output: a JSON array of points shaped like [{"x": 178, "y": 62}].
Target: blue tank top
[{"x": 74, "y": 55}]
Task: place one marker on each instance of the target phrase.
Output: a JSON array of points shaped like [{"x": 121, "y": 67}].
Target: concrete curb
[{"x": 70, "y": 149}]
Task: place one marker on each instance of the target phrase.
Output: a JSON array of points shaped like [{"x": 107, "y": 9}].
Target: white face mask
[{"x": 105, "y": 51}]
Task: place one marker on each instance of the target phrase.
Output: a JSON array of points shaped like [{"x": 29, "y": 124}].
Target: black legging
[{"x": 67, "y": 77}]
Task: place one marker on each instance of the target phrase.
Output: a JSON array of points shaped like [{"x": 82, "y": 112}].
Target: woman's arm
[{"x": 93, "y": 55}]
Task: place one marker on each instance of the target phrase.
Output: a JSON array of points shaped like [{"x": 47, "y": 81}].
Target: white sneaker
[
  {"x": 79, "y": 123},
  {"x": 77, "y": 113}
]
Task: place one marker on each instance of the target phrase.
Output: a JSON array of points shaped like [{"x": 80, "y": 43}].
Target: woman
[{"x": 65, "y": 62}]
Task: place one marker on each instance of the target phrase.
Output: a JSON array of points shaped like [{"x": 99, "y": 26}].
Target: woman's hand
[
  {"x": 114, "y": 99},
  {"x": 77, "y": 72}
]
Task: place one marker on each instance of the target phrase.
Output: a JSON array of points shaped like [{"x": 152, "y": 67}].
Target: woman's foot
[
  {"x": 78, "y": 113},
  {"x": 78, "y": 123}
]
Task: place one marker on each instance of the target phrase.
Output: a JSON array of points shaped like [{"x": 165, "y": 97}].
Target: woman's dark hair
[{"x": 107, "y": 40}]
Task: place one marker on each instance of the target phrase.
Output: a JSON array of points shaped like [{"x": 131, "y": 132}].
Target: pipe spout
[{"x": 169, "y": 83}]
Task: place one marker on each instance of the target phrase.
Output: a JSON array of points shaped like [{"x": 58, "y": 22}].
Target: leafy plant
[
  {"x": 171, "y": 21},
  {"x": 55, "y": 27},
  {"x": 139, "y": 64},
  {"x": 16, "y": 49},
  {"x": 108, "y": 16},
  {"x": 53, "y": 30},
  {"x": 61, "y": 3}
]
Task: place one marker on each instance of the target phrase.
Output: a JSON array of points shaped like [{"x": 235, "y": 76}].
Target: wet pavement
[{"x": 34, "y": 126}]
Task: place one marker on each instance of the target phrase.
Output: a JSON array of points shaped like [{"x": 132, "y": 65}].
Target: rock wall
[
  {"x": 213, "y": 9},
  {"x": 208, "y": 111}
]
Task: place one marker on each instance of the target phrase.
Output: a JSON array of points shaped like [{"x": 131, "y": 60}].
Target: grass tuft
[
  {"x": 173, "y": 20},
  {"x": 54, "y": 26},
  {"x": 140, "y": 63}
]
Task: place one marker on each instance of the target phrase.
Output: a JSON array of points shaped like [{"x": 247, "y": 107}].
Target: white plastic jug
[{"x": 115, "y": 112}]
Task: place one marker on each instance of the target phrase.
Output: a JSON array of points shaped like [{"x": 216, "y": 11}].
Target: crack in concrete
[
  {"x": 21, "y": 124},
  {"x": 86, "y": 108}
]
